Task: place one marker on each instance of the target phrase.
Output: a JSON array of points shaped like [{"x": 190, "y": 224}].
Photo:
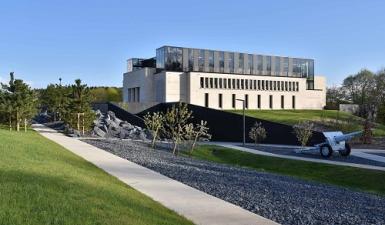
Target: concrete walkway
[
  {"x": 257, "y": 152},
  {"x": 195, "y": 205}
]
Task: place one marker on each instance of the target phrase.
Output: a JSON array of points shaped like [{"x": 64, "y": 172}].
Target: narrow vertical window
[
  {"x": 282, "y": 102},
  {"x": 246, "y": 101},
  {"x": 220, "y": 100},
  {"x": 206, "y": 82},
  {"x": 293, "y": 102},
  {"x": 206, "y": 99},
  {"x": 215, "y": 82},
  {"x": 202, "y": 82},
  {"x": 220, "y": 83},
  {"x": 211, "y": 83},
  {"x": 259, "y": 101},
  {"x": 224, "y": 83},
  {"x": 233, "y": 100},
  {"x": 270, "y": 101},
  {"x": 259, "y": 84}
]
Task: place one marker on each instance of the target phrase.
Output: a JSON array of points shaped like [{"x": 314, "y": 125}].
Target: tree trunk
[
  {"x": 17, "y": 122},
  {"x": 175, "y": 145},
  {"x": 25, "y": 125},
  {"x": 193, "y": 144},
  {"x": 10, "y": 122},
  {"x": 154, "y": 139}
]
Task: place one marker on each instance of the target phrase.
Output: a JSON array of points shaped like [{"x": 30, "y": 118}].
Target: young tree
[
  {"x": 19, "y": 101},
  {"x": 154, "y": 123},
  {"x": 367, "y": 134},
  {"x": 257, "y": 133},
  {"x": 175, "y": 121},
  {"x": 303, "y": 132},
  {"x": 196, "y": 133}
]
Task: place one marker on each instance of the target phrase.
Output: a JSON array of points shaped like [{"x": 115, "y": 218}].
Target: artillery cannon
[{"x": 335, "y": 141}]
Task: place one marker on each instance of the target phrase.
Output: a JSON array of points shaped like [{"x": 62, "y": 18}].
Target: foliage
[
  {"x": 196, "y": 133},
  {"x": 154, "y": 123},
  {"x": 55, "y": 98},
  {"x": 354, "y": 178},
  {"x": 367, "y": 134},
  {"x": 106, "y": 94},
  {"x": 44, "y": 183},
  {"x": 18, "y": 102},
  {"x": 175, "y": 120},
  {"x": 257, "y": 132},
  {"x": 303, "y": 131}
]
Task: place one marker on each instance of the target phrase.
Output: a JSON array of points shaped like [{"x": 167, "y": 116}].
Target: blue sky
[{"x": 44, "y": 40}]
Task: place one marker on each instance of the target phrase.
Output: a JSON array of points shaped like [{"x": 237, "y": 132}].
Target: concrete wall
[{"x": 179, "y": 86}]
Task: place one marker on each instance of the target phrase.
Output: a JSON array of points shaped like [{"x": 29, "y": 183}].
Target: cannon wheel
[
  {"x": 346, "y": 151},
  {"x": 326, "y": 150}
]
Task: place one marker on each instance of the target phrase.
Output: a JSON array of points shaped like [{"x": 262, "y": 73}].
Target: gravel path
[
  {"x": 281, "y": 198},
  {"x": 316, "y": 155}
]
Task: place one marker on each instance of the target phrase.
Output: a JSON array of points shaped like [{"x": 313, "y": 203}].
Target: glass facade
[{"x": 199, "y": 60}]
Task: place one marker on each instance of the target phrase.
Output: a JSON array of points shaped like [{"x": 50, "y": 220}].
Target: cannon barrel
[{"x": 347, "y": 137}]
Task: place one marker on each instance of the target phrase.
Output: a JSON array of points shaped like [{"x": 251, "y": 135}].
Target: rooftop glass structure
[{"x": 181, "y": 59}]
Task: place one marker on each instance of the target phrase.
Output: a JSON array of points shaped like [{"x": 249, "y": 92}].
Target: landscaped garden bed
[{"x": 285, "y": 199}]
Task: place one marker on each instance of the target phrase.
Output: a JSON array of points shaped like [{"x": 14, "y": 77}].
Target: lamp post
[{"x": 244, "y": 126}]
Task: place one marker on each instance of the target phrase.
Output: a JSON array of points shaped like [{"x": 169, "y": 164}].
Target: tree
[
  {"x": 154, "y": 123},
  {"x": 56, "y": 99},
  {"x": 196, "y": 133},
  {"x": 18, "y": 100},
  {"x": 257, "y": 133},
  {"x": 303, "y": 132},
  {"x": 175, "y": 121},
  {"x": 79, "y": 104}
]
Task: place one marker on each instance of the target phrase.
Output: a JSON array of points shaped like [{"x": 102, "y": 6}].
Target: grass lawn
[
  {"x": 348, "y": 122},
  {"x": 43, "y": 183},
  {"x": 349, "y": 177}
]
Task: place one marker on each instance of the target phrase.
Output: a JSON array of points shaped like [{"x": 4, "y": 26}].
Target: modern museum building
[{"x": 222, "y": 79}]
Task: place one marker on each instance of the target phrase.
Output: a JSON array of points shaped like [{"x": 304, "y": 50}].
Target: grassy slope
[
  {"x": 291, "y": 117},
  {"x": 355, "y": 178},
  {"x": 43, "y": 183}
]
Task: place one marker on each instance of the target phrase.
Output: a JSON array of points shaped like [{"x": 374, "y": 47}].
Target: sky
[{"x": 44, "y": 40}]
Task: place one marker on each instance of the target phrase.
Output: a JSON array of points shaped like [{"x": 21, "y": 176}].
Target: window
[
  {"x": 206, "y": 82},
  {"x": 216, "y": 82},
  {"x": 271, "y": 85},
  {"x": 240, "y": 63},
  {"x": 263, "y": 85},
  {"x": 259, "y": 84},
  {"x": 206, "y": 99},
  {"x": 220, "y": 100},
  {"x": 282, "y": 102},
  {"x": 191, "y": 59},
  {"x": 201, "y": 60},
  {"x": 221, "y": 61},
  {"x": 224, "y": 83},
  {"x": 275, "y": 85},
  {"x": 231, "y": 62},
  {"x": 286, "y": 86},
  {"x": 202, "y": 82},
  {"x": 242, "y": 84},
  {"x": 293, "y": 102},
  {"x": 259, "y": 101},
  {"x": 247, "y": 84},
  {"x": 211, "y": 61},
  {"x": 246, "y": 101},
  {"x": 270, "y": 101},
  {"x": 234, "y": 87},
  {"x": 277, "y": 66},
  {"x": 211, "y": 83},
  {"x": 238, "y": 84},
  {"x": 250, "y": 68},
  {"x": 286, "y": 66},
  {"x": 268, "y": 64},
  {"x": 297, "y": 86},
  {"x": 259, "y": 63},
  {"x": 255, "y": 84},
  {"x": 233, "y": 100},
  {"x": 289, "y": 86},
  {"x": 229, "y": 83},
  {"x": 220, "y": 82},
  {"x": 173, "y": 59}
]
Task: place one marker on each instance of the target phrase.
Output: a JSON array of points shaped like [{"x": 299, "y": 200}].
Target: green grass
[
  {"x": 354, "y": 178},
  {"x": 346, "y": 122},
  {"x": 43, "y": 183}
]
